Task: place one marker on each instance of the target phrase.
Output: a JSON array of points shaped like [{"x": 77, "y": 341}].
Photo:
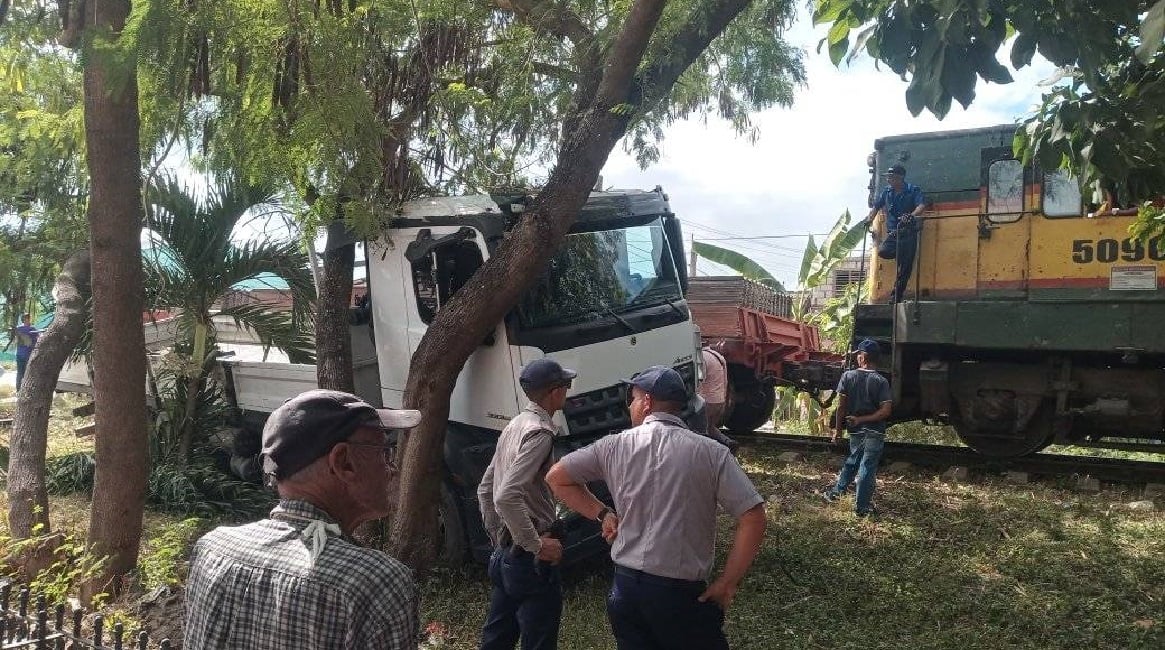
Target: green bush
[
  {"x": 205, "y": 491},
  {"x": 72, "y": 563},
  {"x": 200, "y": 489},
  {"x": 164, "y": 553},
  {"x": 70, "y": 474}
]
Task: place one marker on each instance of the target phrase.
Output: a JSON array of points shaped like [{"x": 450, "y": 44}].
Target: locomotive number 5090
[{"x": 1111, "y": 250}]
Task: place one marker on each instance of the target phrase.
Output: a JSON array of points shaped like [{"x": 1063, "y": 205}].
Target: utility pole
[{"x": 692, "y": 255}]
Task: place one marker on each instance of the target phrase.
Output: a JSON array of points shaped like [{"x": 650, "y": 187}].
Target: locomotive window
[
  {"x": 1060, "y": 195},
  {"x": 1005, "y": 191}
]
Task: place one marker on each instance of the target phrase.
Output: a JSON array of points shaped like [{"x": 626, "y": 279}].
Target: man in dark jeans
[
  {"x": 902, "y": 203},
  {"x": 668, "y": 484},
  {"x": 863, "y": 409},
  {"x": 518, "y": 513}
]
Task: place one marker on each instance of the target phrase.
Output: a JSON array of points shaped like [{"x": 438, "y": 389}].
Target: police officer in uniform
[
  {"x": 667, "y": 483},
  {"x": 517, "y": 510}
]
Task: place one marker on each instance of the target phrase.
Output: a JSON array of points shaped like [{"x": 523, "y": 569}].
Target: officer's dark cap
[
  {"x": 662, "y": 383},
  {"x": 540, "y": 374}
]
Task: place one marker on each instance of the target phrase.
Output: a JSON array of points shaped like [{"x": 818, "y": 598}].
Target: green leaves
[
  {"x": 1103, "y": 115},
  {"x": 818, "y": 262},
  {"x": 194, "y": 261},
  {"x": 737, "y": 262}
]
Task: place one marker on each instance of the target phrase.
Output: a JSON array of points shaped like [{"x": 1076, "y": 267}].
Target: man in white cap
[
  {"x": 518, "y": 513},
  {"x": 297, "y": 579},
  {"x": 863, "y": 408}
]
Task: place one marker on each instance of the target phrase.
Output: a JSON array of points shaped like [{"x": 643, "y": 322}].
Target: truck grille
[{"x": 604, "y": 411}]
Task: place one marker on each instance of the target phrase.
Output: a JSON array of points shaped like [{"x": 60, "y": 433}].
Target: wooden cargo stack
[
  {"x": 735, "y": 291},
  {"x": 753, "y": 327}
]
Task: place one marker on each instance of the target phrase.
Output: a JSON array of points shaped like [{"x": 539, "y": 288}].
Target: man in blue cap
[
  {"x": 667, "y": 483},
  {"x": 902, "y": 204},
  {"x": 518, "y": 513},
  {"x": 864, "y": 405}
]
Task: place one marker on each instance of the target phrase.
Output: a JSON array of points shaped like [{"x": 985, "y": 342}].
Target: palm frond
[{"x": 275, "y": 329}]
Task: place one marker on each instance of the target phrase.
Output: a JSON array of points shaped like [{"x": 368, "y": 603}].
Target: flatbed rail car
[
  {"x": 764, "y": 346},
  {"x": 1026, "y": 322}
]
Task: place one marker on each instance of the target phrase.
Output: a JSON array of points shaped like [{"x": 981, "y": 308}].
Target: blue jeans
[
  {"x": 653, "y": 613},
  {"x": 865, "y": 451},
  {"x": 526, "y": 601}
]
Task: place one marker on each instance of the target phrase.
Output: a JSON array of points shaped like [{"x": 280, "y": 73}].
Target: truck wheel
[
  {"x": 454, "y": 547},
  {"x": 752, "y": 406}
]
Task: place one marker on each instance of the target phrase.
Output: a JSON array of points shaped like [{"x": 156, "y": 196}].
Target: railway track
[{"x": 1108, "y": 470}]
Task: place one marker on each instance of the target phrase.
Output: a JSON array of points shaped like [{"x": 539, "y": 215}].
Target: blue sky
[{"x": 809, "y": 164}]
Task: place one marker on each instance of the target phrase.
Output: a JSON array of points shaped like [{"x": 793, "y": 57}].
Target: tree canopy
[
  {"x": 1105, "y": 118},
  {"x": 43, "y": 182}
]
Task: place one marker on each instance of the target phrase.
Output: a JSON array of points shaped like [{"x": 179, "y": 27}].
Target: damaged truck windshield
[{"x": 604, "y": 272}]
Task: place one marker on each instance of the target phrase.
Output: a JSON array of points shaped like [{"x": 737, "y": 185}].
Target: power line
[
  {"x": 760, "y": 240},
  {"x": 755, "y": 237}
]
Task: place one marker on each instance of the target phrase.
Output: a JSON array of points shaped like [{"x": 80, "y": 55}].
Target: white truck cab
[{"x": 610, "y": 304}]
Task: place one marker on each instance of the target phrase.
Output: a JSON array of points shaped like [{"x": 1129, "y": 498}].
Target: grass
[
  {"x": 981, "y": 565},
  {"x": 986, "y": 565}
]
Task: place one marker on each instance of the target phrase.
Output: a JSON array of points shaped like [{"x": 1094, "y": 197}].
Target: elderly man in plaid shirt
[{"x": 297, "y": 579}]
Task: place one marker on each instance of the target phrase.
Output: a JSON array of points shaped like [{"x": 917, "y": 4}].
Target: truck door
[
  {"x": 1005, "y": 226},
  {"x": 436, "y": 262}
]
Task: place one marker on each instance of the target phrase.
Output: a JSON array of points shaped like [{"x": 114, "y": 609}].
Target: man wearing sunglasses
[
  {"x": 667, "y": 483},
  {"x": 297, "y": 579},
  {"x": 517, "y": 511}
]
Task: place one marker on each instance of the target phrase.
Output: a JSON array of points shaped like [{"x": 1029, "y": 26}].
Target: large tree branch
[
  {"x": 556, "y": 18},
  {"x": 551, "y": 70},
  {"x": 627, "y": 51},
  {"x": 706, "y": 22}
]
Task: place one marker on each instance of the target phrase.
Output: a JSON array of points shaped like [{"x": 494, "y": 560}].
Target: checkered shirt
[{"x": 255, "y": 587}]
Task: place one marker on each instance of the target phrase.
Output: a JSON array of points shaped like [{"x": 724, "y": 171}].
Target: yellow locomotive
[{"x": 1026, "y": 320}]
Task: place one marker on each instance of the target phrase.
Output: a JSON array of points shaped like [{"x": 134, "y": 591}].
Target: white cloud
[{"x": 809, "y": 164}]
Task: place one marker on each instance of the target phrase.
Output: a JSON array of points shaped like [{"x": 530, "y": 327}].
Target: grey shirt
[
  {"x": 666, "y": 482},
  {"x": 513, "y": 494},
  {"x": 865, "y": 391}
]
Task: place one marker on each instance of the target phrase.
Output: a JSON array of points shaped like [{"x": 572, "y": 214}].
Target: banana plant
[
  {"x": 743, "y": 265},
  {"x": 818, "y": 262},
  {"x": 835, "y": 320}
]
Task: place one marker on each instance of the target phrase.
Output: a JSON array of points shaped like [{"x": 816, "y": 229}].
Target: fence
[{"x": 43, "y": 628}]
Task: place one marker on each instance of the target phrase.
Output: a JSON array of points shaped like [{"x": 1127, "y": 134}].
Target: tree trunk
[
  {"x": 119, "y": 361},
  {"x": 193, "y": 388},
  {"x": 521, "y": 258},
  {"x": 28, "y": 503},
  {"x": 333, "y": 341}
]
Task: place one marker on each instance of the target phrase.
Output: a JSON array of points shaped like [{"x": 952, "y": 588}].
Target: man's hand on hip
[
  {"x": 610, "y": 527},
  {"x": 722, "y": 592},
  {"x": 551, "y": 550}
]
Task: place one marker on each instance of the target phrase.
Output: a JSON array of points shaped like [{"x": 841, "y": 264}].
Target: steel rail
[{"x": 1111, "y": 470}]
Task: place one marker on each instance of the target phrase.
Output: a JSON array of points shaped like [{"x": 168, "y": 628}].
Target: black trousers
[
  {"x": 900, "y": 245},
  {"x": 525, "y": 601},
  {"x": 650, "y": 612}
]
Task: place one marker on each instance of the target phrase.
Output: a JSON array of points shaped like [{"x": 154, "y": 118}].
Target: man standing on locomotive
[{"x": 902, "y": 202}]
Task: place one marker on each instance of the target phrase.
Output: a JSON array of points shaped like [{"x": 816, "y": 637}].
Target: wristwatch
[{"x": 603, "y": 514}]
